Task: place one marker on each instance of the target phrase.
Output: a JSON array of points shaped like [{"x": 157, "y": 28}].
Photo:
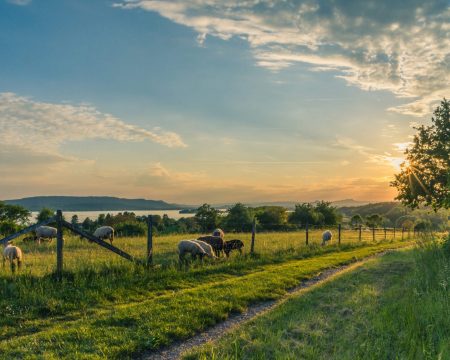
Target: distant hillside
[
  {"x": 291, "y": 204},
  {"x": 92, "y": 203}
]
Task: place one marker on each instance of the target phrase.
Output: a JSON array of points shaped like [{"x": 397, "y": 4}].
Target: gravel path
[{"x": 177, "y": 349}]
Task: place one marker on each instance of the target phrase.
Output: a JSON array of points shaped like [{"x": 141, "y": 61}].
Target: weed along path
[
  {"x": 129, "y": 330},
  {"x": 176, "y": 350}
]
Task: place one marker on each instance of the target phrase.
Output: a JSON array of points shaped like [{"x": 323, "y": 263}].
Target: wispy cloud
[
  {"x": 388, "y": 45},
  {"x": 44, "y": 127}
]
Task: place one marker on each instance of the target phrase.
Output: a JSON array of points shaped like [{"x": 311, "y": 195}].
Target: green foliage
[
  {"x": 239, "y": 218},
  {"x": 304, "y": 214},
  {"x": 207, "y": 217},
  {"x": 271, "y": 217},
  {"x": 14, "y": 213},
  {"x": 374, "y": 220},
  {"x": 9, "y": 227},
  {"x": 45, "y": 214},
  {"x": 356, "y": 220},
  {"x": 425, "y": 177},
  {"x": 130, "y": 228}
]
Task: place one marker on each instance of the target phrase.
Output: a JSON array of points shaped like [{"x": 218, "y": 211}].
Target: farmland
[{"x": 106, "y": 307}]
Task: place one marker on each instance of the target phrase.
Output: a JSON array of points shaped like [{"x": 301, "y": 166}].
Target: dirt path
[{"x": 177, "y": 349}]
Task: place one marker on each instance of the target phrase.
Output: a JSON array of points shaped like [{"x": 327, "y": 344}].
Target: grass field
[
  {"x": 394, "y": 307},
  {"x": 109, "y": 308}
]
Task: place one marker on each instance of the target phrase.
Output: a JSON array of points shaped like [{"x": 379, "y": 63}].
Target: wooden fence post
[
  {"x": 394, "y": 232},
  {"x": 403, "y": 232},
  {"x": 373, "y": 233},
  {"x": 59, "y": 244},
  {"x": 360, "y": 228},
  {"x": 252, "y": 248},
  {"x": 307, "y": 234},
  {"x": 339, "y": 234},
  {"x": 385, "y": 233},
  {"x": 149, "y": 241}
]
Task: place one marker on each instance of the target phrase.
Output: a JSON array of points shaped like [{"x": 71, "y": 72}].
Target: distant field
[{"x": 106, "y": 307}]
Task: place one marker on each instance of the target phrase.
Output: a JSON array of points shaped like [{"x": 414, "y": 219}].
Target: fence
[
  {"x": 141, "y": 250},
  {"x": 61, "y": 224}
]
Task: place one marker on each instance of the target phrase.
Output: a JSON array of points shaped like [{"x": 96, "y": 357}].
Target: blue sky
[{"x": 210, "y": 101}]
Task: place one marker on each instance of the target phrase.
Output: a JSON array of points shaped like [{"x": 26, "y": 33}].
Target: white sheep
[
  {"x": 105, "y": 232},
  {"x": 191, "y": 247},
  {"x": 45, "y": 232},
  {"x": 12, "y": 253},
  {"x": 206, "y": 248},
  {"x": 218, "y": 232},
  {"x": 327, "y": 235}
]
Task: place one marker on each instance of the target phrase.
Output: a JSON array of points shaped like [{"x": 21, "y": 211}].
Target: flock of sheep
[
  {"x": 205, "y": 246},
  {"x": 210, "y": 246}
]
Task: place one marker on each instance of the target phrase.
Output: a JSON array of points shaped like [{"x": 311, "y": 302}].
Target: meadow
[
  {"x": 393, "y": 307},
  {"x": 106, "y": 307}
]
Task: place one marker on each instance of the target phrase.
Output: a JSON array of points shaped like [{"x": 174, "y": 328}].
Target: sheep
[
  {"x": 190, "y": 246},
  {"x": 234, "y": 244},
  {"x": 207, "y": 248},
  {"x": 327, "y": 235},
  {"x": 45, "y": 232},
  {"x": 215, "y": 241},
  {"x": 218, "y": 232},
  {"x": 12, "y": 253},
  {"x": 105, "y": 232}
]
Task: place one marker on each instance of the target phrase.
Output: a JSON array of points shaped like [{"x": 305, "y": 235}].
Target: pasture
[{"x": 107, "y": 307}]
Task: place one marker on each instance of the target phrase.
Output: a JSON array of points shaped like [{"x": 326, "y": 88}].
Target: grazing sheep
[
  {"x": 326, "y": 236},
  {"x": 234, "y": 244},
  {"x": 215, "y": 241},
  {"x": 218, "y": 232},
  {"x": 45, "y": 232},
  {"x": 206, "y": 248},
  {"x": 105, "y": 232},
  {"x": 191, "y": 247},
  {"x": 12, "y": 253}
]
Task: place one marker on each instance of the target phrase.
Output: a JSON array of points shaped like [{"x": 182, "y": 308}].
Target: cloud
[
  {"x": 390, "y": 45},
  {"x": 19, "y": 2},
  {"x": 44, "y": 127}
]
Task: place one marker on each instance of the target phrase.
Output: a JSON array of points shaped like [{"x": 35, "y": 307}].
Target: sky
[{"x": 194, "y": 101}]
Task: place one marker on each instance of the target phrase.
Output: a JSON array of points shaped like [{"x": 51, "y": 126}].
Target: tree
[
  {"x": 45, "y": 214},
  {"x": 14, "y": 213},
  {"x": 329, "y": 213},
  {"x": 272, "y": 217},
  {"x": 238, "y": 218},
  {"x": 207, "y": 217},
  {"x": 305, "y": 214},
  {"x": 374, "y": 220},
  {"x": 424, "y": 177},
  {"x": 74, "y": 220},
  {"x": 356, "y": 220}
]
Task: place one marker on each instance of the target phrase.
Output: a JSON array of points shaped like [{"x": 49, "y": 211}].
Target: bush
[{"x": 130, "y": 229}]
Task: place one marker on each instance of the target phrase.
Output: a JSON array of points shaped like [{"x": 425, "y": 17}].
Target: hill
[{"x": 92, "y": 203}]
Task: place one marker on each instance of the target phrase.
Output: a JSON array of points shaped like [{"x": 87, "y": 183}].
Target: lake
[{"x": 93, "y": 215}]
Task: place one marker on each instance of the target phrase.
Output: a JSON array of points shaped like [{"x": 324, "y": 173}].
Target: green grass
[
  {"x": 394, "y": 307},
  {"x": 108, "y": 308}
]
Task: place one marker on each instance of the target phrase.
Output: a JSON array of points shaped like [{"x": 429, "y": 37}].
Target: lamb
[
  {"x": 45, "y": 232},
  {"x": 12, "y": 253},
  {"x": 234, "y": 244},
  {"x": 191, "y": 247},
  {"x": 218, "y": 232},
  {"x": 105, "y": 232},
  {"x": 326, "y": 236},
  {"x": 206, "y": 248},
  {"x": 215, "y": 241}
]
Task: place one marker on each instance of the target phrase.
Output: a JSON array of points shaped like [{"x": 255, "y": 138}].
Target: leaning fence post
[
  {"x": 339, "y": 234},
  {"x": 59, "y": 244},
  {"x": 307, "y": 233},
  {"x": 149, "y": 241},
  {"x": 373, "y": 233},
  {"x": 252, "y": 248}
]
